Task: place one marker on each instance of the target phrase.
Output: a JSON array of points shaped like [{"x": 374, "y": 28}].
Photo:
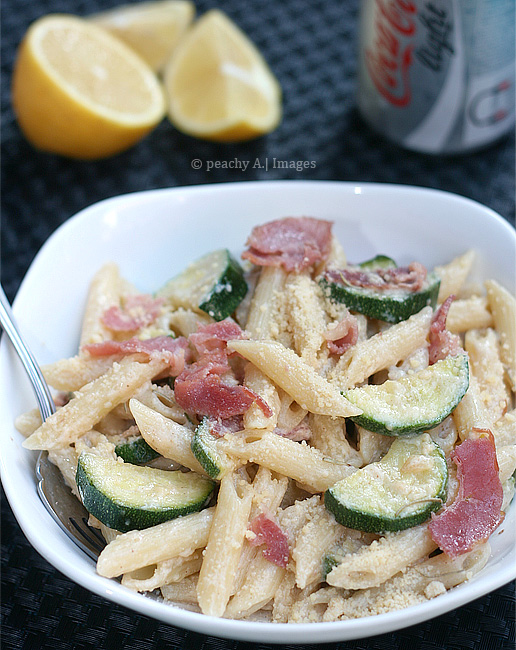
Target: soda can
[{"x": 438, "y": 76}]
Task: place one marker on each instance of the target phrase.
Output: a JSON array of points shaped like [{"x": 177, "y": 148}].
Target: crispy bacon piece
[
  {"x": 343, "y": 336},
  {"x": 295, "y": 243},
  {"x": 200, "y": 388},
  {"x": 138, "y": 311},
  {"x": 269, "y": 533},
  {"x": 442, "y": 342},
  {"x": 407, "y": 278},
  {"x": 215, "y": 336},
  {"x": 476, "y": 512},
  {"x": 174, "y": 351}
]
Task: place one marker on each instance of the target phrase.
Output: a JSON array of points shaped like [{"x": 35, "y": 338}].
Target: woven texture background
[{"x": 310, "y": 45}]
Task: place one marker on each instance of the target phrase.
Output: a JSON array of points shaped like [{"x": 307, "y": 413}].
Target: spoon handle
[{"x": 41, "y": 389}]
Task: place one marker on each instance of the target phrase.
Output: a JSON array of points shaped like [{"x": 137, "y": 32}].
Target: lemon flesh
[
  {"x": 219, "y": 86},
  {"x": 80, "y": 92},
  {"x": 152, "y": 29}
]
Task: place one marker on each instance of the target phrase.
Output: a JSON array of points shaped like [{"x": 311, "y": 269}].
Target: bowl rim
[{"x": 235, "y": 629}]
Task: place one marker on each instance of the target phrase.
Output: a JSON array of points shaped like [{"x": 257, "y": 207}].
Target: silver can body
[{"x": 438, "y": 76}]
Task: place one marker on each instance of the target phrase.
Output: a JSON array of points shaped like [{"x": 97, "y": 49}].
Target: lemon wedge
[
  {"x": 219, "y": 86},
  {"x": 152, "y": 29},
  {"x": 80, "y": 92}
]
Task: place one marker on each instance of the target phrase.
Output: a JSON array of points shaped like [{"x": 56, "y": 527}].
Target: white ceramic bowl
[{"x": 152, "y": 235}]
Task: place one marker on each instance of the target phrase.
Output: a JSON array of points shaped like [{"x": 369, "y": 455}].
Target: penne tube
[
  {"x": 469, "y": 313},
  {"x": 104, "y": 292},
  {"x": 262, "y": 581},
  {"x": 382, "y": 350},
  {"x": 163, "y": 573},
  {"x": 503, "y": 308},
  {"x": 224, "y": 545},
  {"x": 184, "y": 592},
  {"x": 141, "y": 548},
  {"x": 313, "y": 541},
  {"x": 482, "y": 347},
  {"x": 169, "y": 438},
  {"x": 299, "y": 461},
  {"x": 92, "y": 403},
  {"x": 286, "y": 369},
  {"x": 72, "y": 374},
  {"x": 454, "y": 274},
  {"x": 306, "y": 316},
  {"x": 372, "y": 565},
  {"x": 470, "y": 412}
]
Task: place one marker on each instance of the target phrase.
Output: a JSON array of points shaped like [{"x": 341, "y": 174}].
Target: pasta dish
[{"x": 289, "y": 434}]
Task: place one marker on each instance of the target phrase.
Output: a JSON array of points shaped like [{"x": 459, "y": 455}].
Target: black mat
[{"x": 310, "y": 45}]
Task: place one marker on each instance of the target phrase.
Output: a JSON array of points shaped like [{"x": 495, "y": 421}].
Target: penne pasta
[
  {"x": 140, "y": 548},
  {"x": 224, "y": 545},
  {"x": 105, "y": 292},
  {"x": 453, "y": 275},
  {"x": 382, "y": 350},
  {"x": 285, "y": 368},
  {"x": 298, "y": 461},
  {"x": 170, "y": 439},
  {"x": 374, "y": 564},
  {"x": 503, "y": 307},
  {"x": 94, "y": 401}
]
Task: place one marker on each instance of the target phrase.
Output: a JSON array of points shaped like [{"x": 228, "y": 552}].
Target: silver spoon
[{"x": 58, "y": 499}]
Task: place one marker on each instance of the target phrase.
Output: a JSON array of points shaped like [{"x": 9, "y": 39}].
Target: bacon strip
[
  {"x": 269, "y": 533},
  {"x": 343, "y": 336},
  {"x": 215, "y": 336},
  {"x": 174, "y": 351},
  {"x": 406, "y": 278},
  {"x": 476, "y": 512},
  {"x": 294, "y": 243},
  {"x": 442, "y": 342},
  {"x": 138, "y": 311},
  {"x": 208, "y": 386}
]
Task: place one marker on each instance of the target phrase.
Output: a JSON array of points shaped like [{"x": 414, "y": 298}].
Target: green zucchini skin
[
  {"x": 386, "y": 306},
  {"x": 452, "y": 372},
  {"x": 378, "y": 262},
  {"x": 136, "y": 451},
  {"x": 228, "y": 292},
  {"x": 364, "y": 522},
  {"x": 213, "y": 284},
  {"x": 203, "y": 448},
  {"x": 122, "y": 507},
  {"x": 371, "y": 509}
]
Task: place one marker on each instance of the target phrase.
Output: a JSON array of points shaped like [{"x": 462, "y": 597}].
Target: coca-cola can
[{"x": 438, "y": 76}]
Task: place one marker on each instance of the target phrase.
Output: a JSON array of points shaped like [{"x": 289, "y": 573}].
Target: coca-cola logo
[{"x": 390, "y": 58}]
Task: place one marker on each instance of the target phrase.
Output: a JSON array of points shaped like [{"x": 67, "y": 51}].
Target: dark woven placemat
[{"x": 310, "y": 45}]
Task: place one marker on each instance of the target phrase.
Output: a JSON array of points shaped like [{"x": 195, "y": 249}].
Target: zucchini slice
[
  {"x": 213, "y": 284},
  {"x": 398, "y": 492},
  {"x": 204, "y": 447},
  {"x": 135, "y": 450},
  {"x": 390, "y": 305},
  {"x": 378, "y": 262},
  {"x": 415, "y": 403},
  {"x": 131, "y": 497}
]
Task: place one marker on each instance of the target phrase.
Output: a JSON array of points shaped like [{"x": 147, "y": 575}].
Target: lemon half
[
  {"x": 219, "y": 86},
  {"x": 80, "y": 92},
  {"x": 152, "y": 29}
]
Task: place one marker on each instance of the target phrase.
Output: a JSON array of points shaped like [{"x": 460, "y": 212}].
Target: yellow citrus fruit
[
  {"x": 219, "y": 86},
  {"x": 152, "y": 29},
  {"x": 80, "y": 92}
]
